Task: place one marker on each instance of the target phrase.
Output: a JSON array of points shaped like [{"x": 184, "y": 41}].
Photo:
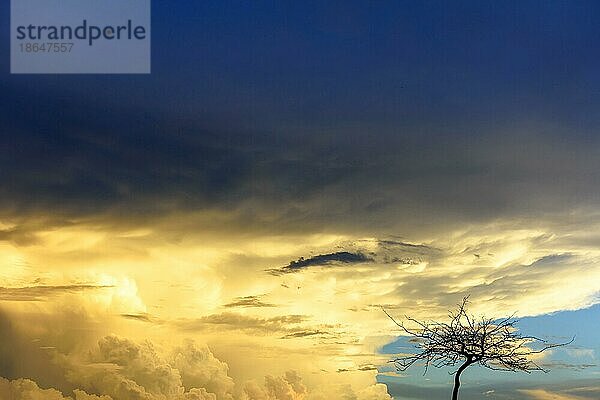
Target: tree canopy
[{"x": 465, "y": 340}]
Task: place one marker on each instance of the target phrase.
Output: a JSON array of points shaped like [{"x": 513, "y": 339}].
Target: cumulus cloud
[
  {"x": 118, "y": 368},
  {"x": 287, "y": 387},
  {"x": 123, "y": 370},
  {"x": 199, "y": 368},
  {"x": 290, "y": 387},
  {"x": 373, "y": 392},
  {"x": 348, "y": 392},
  {"x": 112, "y": 368},
  {"x": 139, "y": 363},
  {"x": 81, "y": 395},
  {"x": 111, "y": 382},
  {"x": 25, "y": 389}
]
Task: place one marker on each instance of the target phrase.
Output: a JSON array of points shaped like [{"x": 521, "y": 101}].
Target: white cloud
[
  {"x": 200, "y": 368},
  {"x": 25, "y": 389}
]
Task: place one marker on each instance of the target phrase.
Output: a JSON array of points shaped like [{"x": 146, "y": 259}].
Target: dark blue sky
[{"x": 273, "y": 65}]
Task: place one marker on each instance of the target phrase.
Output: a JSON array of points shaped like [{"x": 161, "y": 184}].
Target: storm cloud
[{"x": 119, "y": 165}]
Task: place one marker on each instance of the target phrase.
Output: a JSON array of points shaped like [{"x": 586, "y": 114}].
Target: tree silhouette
[{"x": 467, "y": 340}]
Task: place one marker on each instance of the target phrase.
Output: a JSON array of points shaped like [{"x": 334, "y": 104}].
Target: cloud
[
  {"x": 242, "y": 322},
  {"x": 565, "y": 365},
  {"x": 301, "y": 334},
  {"x": 291, "y": 326},
  {"x": 118, "y": 368},
  {"x": 81, "y": 395},
  {"x": 125, "y": 370},
  {"x": 199, "y": 368},
  {"x": 39, "y": 293},
  {"x": 287, "y": 387},
  {"x": 518, "y": 270},
  {"x": 248, "y": 301},
  {"x": 366, "y": 253},
  {"x": 373, "y": 392},
  {"x": 139, "y": 317},
  {"x": 341, "y": 257},
  {"x": 459, "y": 183},
  {"x": 582, "y": 353},
  {"x": 18, "y": 235},
  {"x": 62, "y": 353},
  {"x": 540, "y": 394},
  {"x": 25, "y": 389}
]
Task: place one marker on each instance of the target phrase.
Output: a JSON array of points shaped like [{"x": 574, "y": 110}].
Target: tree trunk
[{"x": 457, "y": 379}]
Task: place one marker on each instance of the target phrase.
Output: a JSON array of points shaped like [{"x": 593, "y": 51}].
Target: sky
[{"x": 230, "y": 226}]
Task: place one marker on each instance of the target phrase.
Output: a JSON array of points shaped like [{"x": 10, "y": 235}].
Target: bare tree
[{"x": 467, "y": 340}]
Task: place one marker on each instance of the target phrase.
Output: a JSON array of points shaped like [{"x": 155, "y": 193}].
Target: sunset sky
[{"x": 230, "y": 226}]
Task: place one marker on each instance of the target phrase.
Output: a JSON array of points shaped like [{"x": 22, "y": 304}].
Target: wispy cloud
[
  {"x": 541, "y": 394},
  {"x": 144, "y": 317},
  {"x": 301, "y": 334},
  {"x": 339, "y": 258},
  {"x": 39, "y": 293},
  {"x": 248, "y": 302},
  {"x": 242, "y": 322}
]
